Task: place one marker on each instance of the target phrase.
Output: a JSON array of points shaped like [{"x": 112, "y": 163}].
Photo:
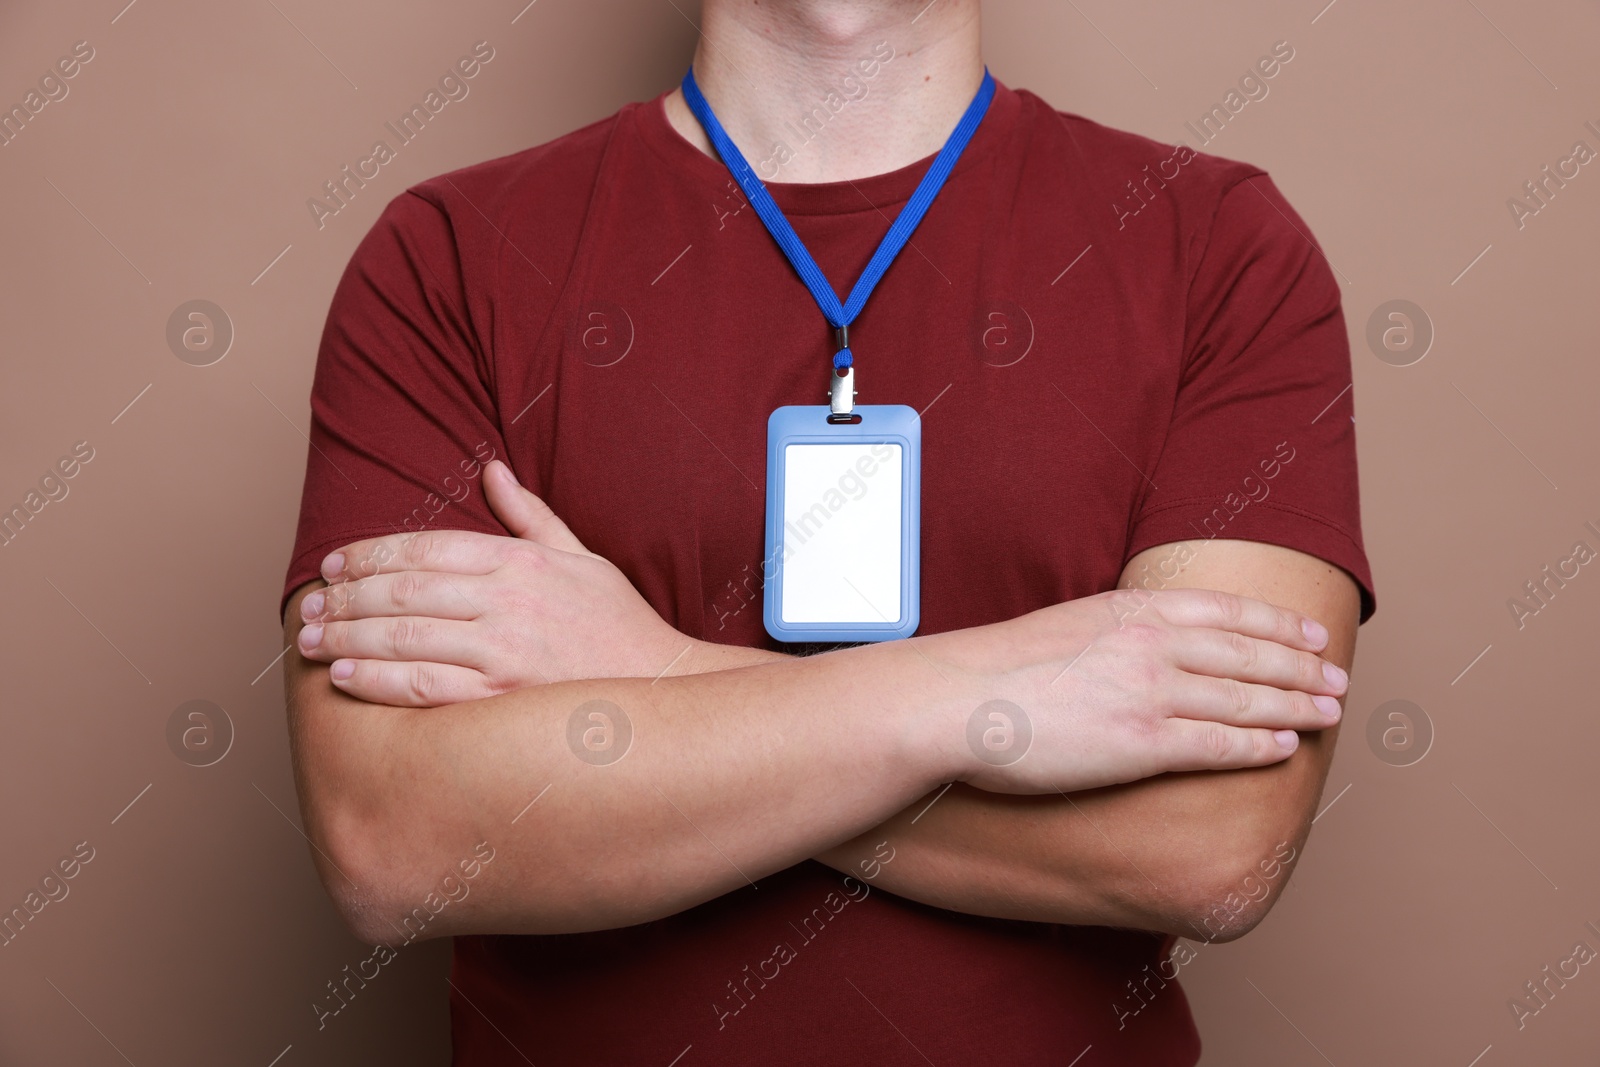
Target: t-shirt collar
[{"x": 826, "y": 198}]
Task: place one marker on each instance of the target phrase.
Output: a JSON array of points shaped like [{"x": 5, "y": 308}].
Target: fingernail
[
  {"x": 311, "y": 606},
  {"x": 1287, "y": 740},
  {"x": 1329, "y": 706},
  {"x": 1336, "y": 677},
  {"x": 1315, "y": 632},
  {"x": 311, "y": 637},
  {"x": 341, "y": 669},
  {"x": 333, "y": 566},
  {"x": 506, "y": 475}
]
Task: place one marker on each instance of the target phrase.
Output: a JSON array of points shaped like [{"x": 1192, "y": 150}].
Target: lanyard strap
[{"x": 840, "y": 315}]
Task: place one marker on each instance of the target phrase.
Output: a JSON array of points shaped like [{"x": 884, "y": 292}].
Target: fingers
[
  {"x": 1240, "y": 614},
  {"x": 1234, "y": 703},
  {"x": 408, "y": 685},
  {"x": 1230, "y": 654},
  {"x": 408, "y": 638},
  {"x": 1189, "y": 745},
  {"x": 437, "y": 595},
  {"x": 456, "y": 551},
  {"x": 523, "y": 513}
]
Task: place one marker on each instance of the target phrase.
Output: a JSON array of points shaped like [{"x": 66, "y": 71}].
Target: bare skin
[{"x": 755, "y": 61}]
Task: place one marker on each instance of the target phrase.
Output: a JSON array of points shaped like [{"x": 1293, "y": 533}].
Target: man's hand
[
  {"x": 1128, "y": 684},
  {"x": 433, "y": 618}
]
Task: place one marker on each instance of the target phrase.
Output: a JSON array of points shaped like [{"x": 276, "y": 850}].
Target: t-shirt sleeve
[
  {"x": 1261, "y": 445},
  {"x": 402, "y": 417}
]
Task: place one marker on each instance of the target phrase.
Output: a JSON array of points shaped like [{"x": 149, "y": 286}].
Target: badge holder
[{"x": 844, "y": 516}]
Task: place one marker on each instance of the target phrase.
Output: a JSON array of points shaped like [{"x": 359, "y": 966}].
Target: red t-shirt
[{"x": 1116, "y": 344}]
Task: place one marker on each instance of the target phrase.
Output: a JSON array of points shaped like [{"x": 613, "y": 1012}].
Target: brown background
[{"x": 178, "y": 168}]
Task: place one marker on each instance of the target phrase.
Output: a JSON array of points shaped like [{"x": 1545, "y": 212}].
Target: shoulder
[
  {"x": 562, "y": 169},
  {"x": 462, "y": 242},
  {"x": 537, "y": 195},
  {"x": 1126, "y": 176},
  {"x": 1110, "y": 154}
]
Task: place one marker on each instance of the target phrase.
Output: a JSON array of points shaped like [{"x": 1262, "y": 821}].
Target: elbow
[
  {"x": 1220, "y": 918},
  {"x": 369, "y": 866},
  {"x": 388, "y": 884},
  {"x": 1233, "y": 898},
  {"x": 366, "y": 892},
  {"x": 364, "y": 841},
  {"x": 366, "y": 905}
]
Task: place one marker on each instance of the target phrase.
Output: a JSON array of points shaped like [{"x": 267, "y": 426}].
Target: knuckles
[
  {"x": 1245, "y": 652},
  {"x": 406, "y": 636},
  {"x": 1138, "y": 647},
  {"x": 1311, "y": 675},
  {"x": 1300, "y": 704},
  {"x": 1146, "y": 727},
  {"x": 334, "y": 600},
  {"x": 1216, "y": 743},
  {"x": 423, "y": 550},
  {"x": 1228, "y": 609},
  {"x": 333, "y": 641},
  {"x": 421, "y": 684},
  {"x": 405, "y": 589},
  {"x": 1238, "y": 696},
  {"x": 526, "y": 556},
  {"x": 1142, "y": 635},
  {"x": 372, "y": 561}
]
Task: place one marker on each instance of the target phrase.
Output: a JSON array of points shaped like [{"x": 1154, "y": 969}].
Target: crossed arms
[{"x": 1159, "y": 777}]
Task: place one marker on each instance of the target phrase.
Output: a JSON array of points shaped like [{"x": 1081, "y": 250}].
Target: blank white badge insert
[{"x": 842, "y": 532}]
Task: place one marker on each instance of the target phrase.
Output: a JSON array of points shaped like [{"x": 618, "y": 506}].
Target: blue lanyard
[{"x": 839, "y": 315}]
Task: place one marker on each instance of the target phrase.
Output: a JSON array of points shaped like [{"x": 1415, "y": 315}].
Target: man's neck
[{"x": 833, "y": 90}]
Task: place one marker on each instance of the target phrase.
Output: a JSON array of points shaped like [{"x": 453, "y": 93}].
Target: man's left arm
[{"x": 1202, "y": 855}]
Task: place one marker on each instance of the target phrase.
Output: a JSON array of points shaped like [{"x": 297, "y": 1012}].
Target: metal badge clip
[{"x": 842, "y": 381}]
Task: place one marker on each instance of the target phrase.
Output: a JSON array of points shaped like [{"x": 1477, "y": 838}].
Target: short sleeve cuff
[{"x": 1267, "y": 522}]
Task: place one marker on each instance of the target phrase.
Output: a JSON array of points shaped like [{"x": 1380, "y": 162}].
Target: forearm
[
  {"x": 1164, "y": 853},
  {"x": 730, "y": 775},
  {"x": 1179, "y": 853}
]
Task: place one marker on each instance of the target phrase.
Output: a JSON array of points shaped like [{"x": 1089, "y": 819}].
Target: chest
[{"x": 1042, "y": 405}]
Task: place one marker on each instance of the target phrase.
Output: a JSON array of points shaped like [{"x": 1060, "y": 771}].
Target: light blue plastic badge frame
[{"x": 880, "y": 423}]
